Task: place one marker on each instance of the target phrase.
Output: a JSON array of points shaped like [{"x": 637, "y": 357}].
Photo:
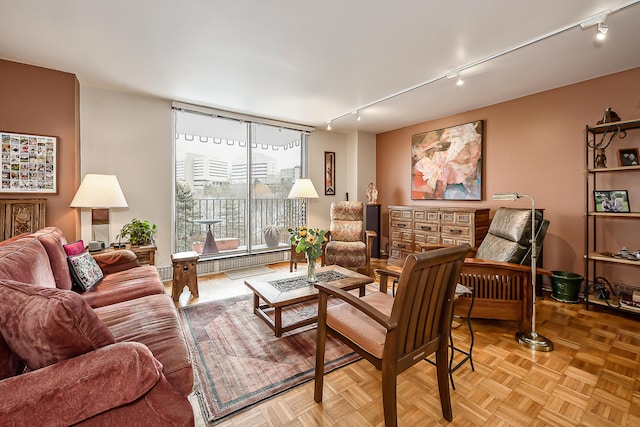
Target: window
[{"x": 233, "y": 177}]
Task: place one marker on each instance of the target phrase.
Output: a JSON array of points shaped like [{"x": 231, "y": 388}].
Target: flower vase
[{"x": 311, "y": 269}]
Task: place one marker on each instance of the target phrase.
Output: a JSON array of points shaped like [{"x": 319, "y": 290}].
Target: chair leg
[
  {"x": 321, "y": 336},
  {"x": 442, "y": 369},
  {"x": 389, "y": 396}
]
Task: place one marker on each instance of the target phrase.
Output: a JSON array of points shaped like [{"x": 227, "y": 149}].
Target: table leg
[
  {"x": 210, "y": 245},
  {"x": 278, "y": 321}
]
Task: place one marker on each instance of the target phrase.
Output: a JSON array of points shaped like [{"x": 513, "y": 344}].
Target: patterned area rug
[{"x": 238, "y": 360}]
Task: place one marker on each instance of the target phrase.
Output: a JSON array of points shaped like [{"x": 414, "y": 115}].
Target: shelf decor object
[{"x": 531, "y": 339}]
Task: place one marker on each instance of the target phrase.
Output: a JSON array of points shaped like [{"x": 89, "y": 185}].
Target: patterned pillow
[{"x": 85, "y": 271}]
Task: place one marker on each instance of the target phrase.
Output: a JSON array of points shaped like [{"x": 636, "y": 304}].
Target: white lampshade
[
  {"x": 99, "y": 191},
  {"x": 303, "y": 189}
]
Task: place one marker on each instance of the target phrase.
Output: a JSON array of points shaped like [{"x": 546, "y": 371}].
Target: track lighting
[
  {"x": 596, "y": 19},
  {"x": 602, "y": 31},
  {"x": 459, "y": 80}
]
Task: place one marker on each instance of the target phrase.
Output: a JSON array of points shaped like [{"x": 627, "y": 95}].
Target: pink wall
[
  {"x": 535, "y": 145},
  {"x": 46, "y": 102}
]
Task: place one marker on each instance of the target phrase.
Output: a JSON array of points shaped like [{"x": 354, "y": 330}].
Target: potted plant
[
  {"x": 197, "y": 242},
  {"x": 139, "y": 232},
  {"x": 272, "y": 235}
]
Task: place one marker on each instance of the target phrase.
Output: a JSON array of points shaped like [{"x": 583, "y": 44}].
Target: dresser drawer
[
  {"x": 402, "y": 225},
  {"x": 426, "y": 216},
  {"x": 432, "y": 239},
  {"x": 456, "y": 230},
  {"x": 452, "y": 240},
  {"x": 426, "y": 227},
  {"x": 399, "y": 244},
  {"x": 458, "y": 218}
]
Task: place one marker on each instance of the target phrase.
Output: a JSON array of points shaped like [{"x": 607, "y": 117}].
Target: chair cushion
[
  {"x": 495, "y": 248},
  {"x": 153, "y": 321},
  {"x": 512, "y": 224},
  {"x": 347, "y": 221},
  {"x": 346, "y": 254},
  {"x": 44, "y": 326},
  {"x": 124, "y": 286},
  {"x": 53, "y": 241},
  {"x": 360, "y": 328},
  {"x": 25, "y": 260}
]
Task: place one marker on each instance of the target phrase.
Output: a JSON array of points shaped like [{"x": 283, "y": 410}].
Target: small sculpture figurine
[
  {"x": 601, "y": 158},
  {"x": 609, "y": 117},
  {"x": 372, "y": 194}
]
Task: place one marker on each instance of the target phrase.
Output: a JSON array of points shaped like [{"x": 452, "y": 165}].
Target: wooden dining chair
[{"x": 395, "y": 333}]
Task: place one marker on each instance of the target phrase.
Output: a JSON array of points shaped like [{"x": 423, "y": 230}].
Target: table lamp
[
  {"x": 530, "y": 339},
  {"x": 303, "y": 189},
  {"x": 99, "y": 192}
]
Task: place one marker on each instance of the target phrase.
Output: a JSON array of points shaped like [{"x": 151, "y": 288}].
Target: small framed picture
[
  {"x": 628, "y": 156},
  {"x": 615, "y": 201},
  {"x": 329, "y": 173}
]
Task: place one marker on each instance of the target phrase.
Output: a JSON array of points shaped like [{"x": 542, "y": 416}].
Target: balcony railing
[{"x": 235, "y": 224}]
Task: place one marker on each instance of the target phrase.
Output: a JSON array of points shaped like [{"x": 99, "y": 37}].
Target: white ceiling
[{"x": 308, "y": 62}]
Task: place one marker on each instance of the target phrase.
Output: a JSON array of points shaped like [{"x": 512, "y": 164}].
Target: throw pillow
[
  {"x": 74, "y": 248},
  {"x": 85, "y": 271},
  {"x": 44, "y": 326}
]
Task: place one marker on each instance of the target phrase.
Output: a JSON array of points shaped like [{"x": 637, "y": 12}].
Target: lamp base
[{"x": 534, "y": 341}]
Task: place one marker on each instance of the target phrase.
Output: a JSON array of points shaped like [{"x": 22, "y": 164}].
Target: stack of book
[{"x": 630, "y": 301}]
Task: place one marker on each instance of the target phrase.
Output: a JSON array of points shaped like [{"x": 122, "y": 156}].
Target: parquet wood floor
[{"x": 590, "y": 379}]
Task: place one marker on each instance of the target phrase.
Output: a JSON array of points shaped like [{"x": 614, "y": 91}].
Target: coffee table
[{"x": 276, "y": 299}]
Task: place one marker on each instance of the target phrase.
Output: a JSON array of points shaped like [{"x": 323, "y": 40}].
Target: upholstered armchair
[
  {"x": 500, "y": 273},
  {"x": 349, "y": 244}
]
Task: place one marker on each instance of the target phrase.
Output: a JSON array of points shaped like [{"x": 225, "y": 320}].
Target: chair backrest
[
  {"x": 347, "y": 221},
  {"x": 423, "y": 305},
  {"x": 509, "y": 235}
]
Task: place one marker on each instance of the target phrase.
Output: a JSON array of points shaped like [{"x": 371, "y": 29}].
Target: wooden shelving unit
[{"x": 605, "y": 133}]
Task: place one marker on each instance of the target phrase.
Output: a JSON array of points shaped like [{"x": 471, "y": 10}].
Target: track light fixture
[
  {"x": 329, "y": 125},
  {"x": 358, "y": 116},
  {"x": 602, "y": 31},
  {"x": 459, "y": 80}
]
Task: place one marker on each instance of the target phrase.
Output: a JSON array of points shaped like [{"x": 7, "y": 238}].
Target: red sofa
[{"x": 114, "y": 355}]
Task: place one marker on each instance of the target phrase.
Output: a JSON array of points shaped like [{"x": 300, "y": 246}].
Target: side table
[
  {"x": 185, "y": 273},
  {"x": 145, "y": 254}
]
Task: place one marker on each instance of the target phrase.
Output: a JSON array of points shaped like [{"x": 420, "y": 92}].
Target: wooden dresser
[{"x": 411, "y": 227}]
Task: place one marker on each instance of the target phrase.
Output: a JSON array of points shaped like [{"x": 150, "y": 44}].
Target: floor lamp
[
  {"x": 99, "y": 192},
  {"x": 531, "y": 339},
  {"x": 303, "y": 189}
]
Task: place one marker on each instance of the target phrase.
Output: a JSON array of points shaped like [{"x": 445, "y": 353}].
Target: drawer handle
[
  {"x": 424, "y": 227},
  {"x": 402, "y": 225},
  {"x": 401, "y": 245},
  {"x": 456, "y": 231}
]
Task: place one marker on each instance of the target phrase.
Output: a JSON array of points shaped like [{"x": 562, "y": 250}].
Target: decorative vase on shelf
[{"x": 311, "y": 269}]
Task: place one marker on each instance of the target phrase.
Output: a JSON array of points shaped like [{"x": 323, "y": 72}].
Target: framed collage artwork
[{"x": 28, "y": 163}]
